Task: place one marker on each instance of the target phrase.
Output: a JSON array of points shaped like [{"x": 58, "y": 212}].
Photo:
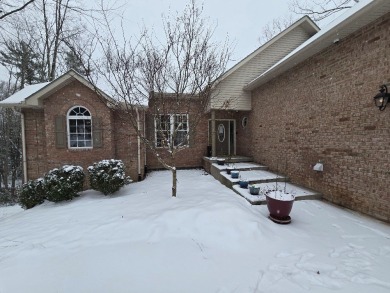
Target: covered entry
[{"x": 225, "y": 137}]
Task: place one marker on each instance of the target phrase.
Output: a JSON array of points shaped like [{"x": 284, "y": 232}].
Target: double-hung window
[
  {"x": 79, "y": 128},
  {"x": 171, "y": 129}
]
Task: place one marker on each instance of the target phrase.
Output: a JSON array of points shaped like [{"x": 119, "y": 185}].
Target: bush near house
[
  {"x": 32, "y": 193},
  {"x": 64, "y": 183},
  {"x": 107, "y": 176}
]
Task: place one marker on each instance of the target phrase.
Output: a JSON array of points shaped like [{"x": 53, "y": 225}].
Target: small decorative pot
[
  {"x": 254, "y": 190},
  {"x": 229, "y": 170},
  {"x": 243, "y": 183},
  {"x": 234, "y": 174},
  {"x": 221, "y": 162}
]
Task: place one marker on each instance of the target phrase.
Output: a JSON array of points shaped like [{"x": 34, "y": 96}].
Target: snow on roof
[
  {"x": 20, "y": 96},
  {"x": 329, "y": 31}
]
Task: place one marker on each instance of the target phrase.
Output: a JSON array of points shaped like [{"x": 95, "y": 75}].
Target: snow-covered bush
[
  {"x": 32, "y": 193},
  {"x": 64, "y": 183},
  {"x": 107, "y": 176}
]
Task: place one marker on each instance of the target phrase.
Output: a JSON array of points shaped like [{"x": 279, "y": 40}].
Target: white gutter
[
  {"x": 24, "y": 149},
  {"x": 145, "y": 162}
]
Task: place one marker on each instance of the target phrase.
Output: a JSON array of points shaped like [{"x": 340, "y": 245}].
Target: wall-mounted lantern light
[{"x": 382, "y": 98}]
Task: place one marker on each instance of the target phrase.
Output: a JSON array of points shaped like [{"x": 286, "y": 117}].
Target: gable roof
[
  {"x": 31, "y": 96},
  {"x": 353, "y": 19},
  {"x": 228, "y": 93},
  {"x": 306, "y": 23}
]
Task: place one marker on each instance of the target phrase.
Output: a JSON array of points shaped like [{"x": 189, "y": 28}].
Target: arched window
[{"x": 79, "y": 128}]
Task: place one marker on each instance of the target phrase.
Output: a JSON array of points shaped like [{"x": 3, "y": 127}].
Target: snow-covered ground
[{"x": 208, "y": 239}]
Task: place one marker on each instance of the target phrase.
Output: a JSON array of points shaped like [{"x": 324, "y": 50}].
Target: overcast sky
[{"x": 241, "y": 20}]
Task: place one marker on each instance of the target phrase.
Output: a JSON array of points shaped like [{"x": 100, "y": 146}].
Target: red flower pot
[{"x": 279, "y": 207}]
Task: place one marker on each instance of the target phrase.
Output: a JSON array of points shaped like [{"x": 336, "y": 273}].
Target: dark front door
[{"x": 225, "y": 130}]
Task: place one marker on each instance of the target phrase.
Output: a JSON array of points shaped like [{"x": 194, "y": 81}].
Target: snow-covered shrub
[
  {"x": 64, "y": 183},
  {"x": 32, "y": 193},
  {"x": 107, "y": 176}
]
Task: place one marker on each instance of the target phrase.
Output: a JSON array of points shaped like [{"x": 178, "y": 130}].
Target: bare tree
[
  {"x": 316, "y": 9},
  {"x": 320, "y": 9},
  {"x": 10, "y": 141},
  {"x": 48, "y": 27},
  {"x": 173, "y": 77},
  {"x": 7, "y": 7},
  {"x": 275, "y": 27}
]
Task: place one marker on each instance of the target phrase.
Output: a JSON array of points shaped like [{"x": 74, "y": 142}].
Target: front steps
[{"x": 259, "y": 176}]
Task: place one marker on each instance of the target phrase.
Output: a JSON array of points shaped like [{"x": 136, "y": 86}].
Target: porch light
[{"x": 382, "y": 98}]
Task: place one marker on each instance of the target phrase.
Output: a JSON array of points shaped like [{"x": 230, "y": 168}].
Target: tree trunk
[
  {"x": 13, "y": 181},
  {"x": 174, "y": 181}
]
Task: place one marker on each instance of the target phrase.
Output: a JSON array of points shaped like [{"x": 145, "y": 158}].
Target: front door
[{"x": 225, "y": 137}]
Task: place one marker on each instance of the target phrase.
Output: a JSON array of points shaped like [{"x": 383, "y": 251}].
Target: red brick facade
[
  {"x": 119, "y": 138},
  {"x": 322, "y": 109},
  {"x": 188, "y": 157}
]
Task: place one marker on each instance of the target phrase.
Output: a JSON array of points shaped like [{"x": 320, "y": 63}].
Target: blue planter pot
[
  {"x": 254, "y": 190},
  {"x": 234, "y": 174},
  {"x": 243, "y": 183}
]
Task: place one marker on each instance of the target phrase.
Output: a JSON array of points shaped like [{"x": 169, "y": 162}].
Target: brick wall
[
  {"x": 188, "y": 157},
  {"x": 119, "y": 139},
  {"x": 126, "y": 143},
  {"x": 322, "y": 109},
  {"x": 35, "y": 142}
]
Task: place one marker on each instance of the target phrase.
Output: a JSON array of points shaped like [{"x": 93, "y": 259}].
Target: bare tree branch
[
  {"x": 15, "y": 10},
  {"x": 320, "y": 9},
  {"x": 173, "y": 78}
]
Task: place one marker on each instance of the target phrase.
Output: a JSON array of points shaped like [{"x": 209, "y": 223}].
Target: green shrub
[
  {"x": 107, "y": 176},
  {"x": 32, "y": 193},
  {"x": 64, "y": 183}
]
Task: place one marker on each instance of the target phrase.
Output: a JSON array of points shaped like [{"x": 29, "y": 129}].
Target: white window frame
[
  {"x": 84, "y": 117},
  {"x": 172, "y": 127}
]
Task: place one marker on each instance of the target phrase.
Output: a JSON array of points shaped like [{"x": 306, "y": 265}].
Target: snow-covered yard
[{"x": 208, "y": 239}]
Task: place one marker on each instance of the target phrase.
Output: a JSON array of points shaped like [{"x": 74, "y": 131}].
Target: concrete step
[
  {"x": 252, "y": 176},
  {"x": 257, "y": 175},
  {"x": 300, "y": 193},
  {"x": 241, "y": 166},
  {"x": 231, "y": 159}
]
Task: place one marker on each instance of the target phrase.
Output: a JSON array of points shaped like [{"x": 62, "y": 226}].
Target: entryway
[{"x": 225, "y": 132}]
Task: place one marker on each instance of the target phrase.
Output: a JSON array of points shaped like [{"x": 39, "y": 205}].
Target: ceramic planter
[
  {"x": 229, "y": 170},
  {"x": 221, "y": 162},
  {"x": 254, "y": 190},
  {"x": 279, "y": 206},
  {"x": 234, "y": 174},
  {"x": 243, "y": 183}
]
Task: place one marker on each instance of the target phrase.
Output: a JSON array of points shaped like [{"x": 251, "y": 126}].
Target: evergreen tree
[{"x": 21, "y": 56}]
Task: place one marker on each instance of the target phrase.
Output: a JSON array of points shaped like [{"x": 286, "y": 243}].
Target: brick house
[
  {"x": 303, "y": 97},
  {"x": 316, "y": 104},
  {"x": 52, "y": 115},
  {"x": 69, "y": 121}
]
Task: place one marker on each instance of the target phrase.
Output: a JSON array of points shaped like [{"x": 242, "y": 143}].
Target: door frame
[{"x": 231, "y": 132}]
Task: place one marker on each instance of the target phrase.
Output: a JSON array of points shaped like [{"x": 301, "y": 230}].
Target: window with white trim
[
  {"x": 172, "y": 128},
  {"x": 79, "y": 122}
]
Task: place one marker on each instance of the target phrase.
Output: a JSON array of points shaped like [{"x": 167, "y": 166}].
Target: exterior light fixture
[{"x": 382, "y": 98}]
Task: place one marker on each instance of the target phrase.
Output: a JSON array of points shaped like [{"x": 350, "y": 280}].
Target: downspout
[
  {"x": 213, "y": 135},
  {"x": 145, "y": 162},
  {"x": 24, "y": 158},
  {"x": 139, "y": 146}
]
